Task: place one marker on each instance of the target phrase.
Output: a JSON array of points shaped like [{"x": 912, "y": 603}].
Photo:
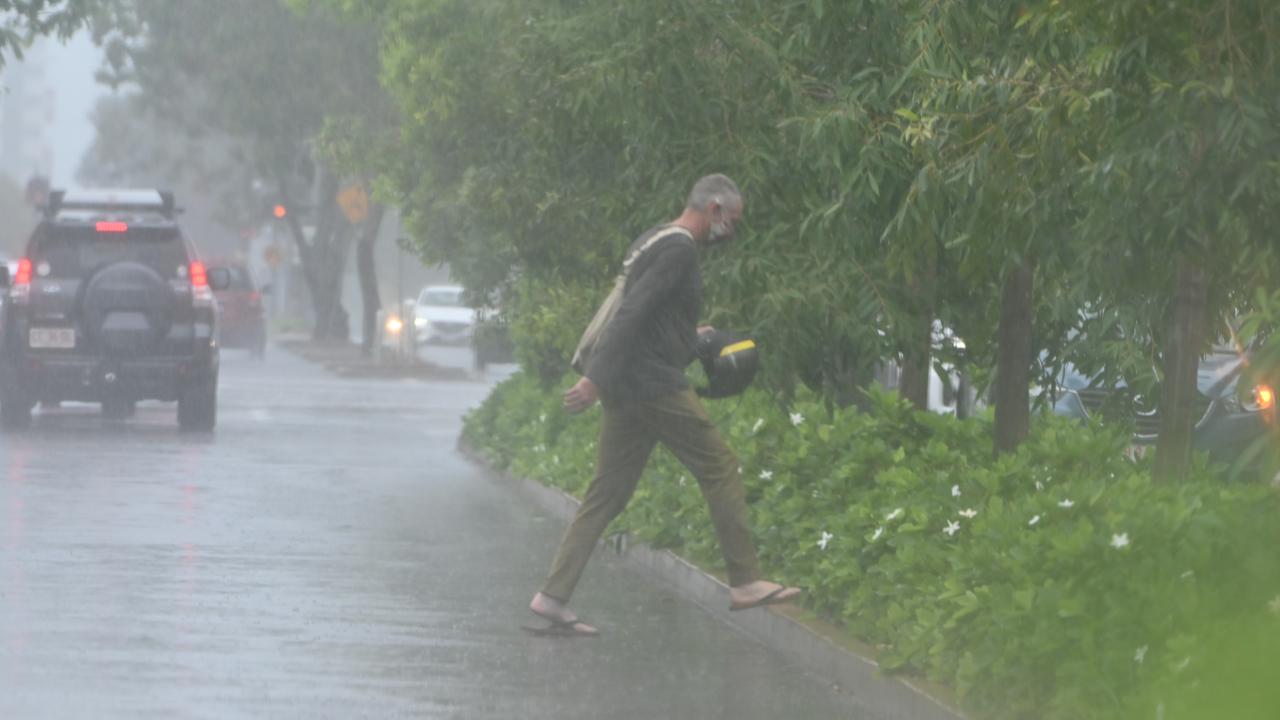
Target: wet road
[{"x": 326, "y": 554}]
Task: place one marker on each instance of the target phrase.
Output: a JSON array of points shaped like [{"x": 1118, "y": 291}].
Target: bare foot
[
  {"x": 759, "y": 593},
  {"x": 549, "y": 608}
]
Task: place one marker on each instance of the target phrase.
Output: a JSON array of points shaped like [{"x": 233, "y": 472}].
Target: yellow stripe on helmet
[{"x": 737, "y": 347}]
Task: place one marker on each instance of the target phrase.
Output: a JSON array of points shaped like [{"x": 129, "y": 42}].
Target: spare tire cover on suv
[{"x": 127, "y": 308}]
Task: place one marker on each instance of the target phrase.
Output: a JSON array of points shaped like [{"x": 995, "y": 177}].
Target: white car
[{"x": 439, "y": 316}]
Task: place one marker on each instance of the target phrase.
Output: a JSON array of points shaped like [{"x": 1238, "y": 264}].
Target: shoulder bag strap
[{"x": 664, "y": 233}]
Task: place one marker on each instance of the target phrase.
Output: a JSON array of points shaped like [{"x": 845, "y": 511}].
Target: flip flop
[
  {"x": 561, "y": 628},
  {"x": 782, "y": 594}
]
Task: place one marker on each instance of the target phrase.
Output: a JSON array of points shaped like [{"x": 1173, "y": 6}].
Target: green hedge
[{"x": 1055, "y": 582}]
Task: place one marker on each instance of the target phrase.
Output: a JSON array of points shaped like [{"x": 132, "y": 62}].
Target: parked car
[
  {"x": 441, "y": 316},
  {"x": 111, "y": 304},
  {"x": 951, "y": 391},
  {"x": 242, "y": 320},
  {"x": 1232, "y": 410}
]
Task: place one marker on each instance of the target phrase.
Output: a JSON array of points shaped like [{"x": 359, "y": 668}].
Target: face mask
[{"x": 720, "y": 231}]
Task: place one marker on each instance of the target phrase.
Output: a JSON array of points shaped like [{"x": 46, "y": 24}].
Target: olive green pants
[{"x": 627, "y": 438}]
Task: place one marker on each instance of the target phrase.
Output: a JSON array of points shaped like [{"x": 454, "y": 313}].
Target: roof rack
[{"x": 161, "y": 201}]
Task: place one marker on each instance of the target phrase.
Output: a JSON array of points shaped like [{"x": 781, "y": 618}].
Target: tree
[
  {"x": 1027, "y": 175},
  {"x": 21, "y": 21},
  {"x": 268, "y": 78},
  {"x": 1181, "y": 185},
  {"x": 213, "y": 183}
]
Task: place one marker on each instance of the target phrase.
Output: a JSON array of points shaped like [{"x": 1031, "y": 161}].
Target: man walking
[{"x": 637, "y": 372}]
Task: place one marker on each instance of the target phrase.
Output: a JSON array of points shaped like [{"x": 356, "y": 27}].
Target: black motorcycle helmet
[{"x": 730, "y": 362}]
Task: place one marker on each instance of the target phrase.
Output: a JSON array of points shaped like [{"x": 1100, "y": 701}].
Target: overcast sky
[
  {"x": 53, "y": 76},
  {"x": 71, "y": 68}
]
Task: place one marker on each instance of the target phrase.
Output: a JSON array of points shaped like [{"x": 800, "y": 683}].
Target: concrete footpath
[
  {"x": 779, "y": 628},
  {"x": 821, "y": 650}
]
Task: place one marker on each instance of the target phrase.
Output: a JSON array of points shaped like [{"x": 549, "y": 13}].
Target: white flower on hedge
[
  {"x": 1140, "y": 655},
  {"x": 1188, "y": 574},
  {"x": 756, "y": 428},
  {"x": 683, "y": 480},
  {"x": 968, "y": 514},
  {"x": 952, "y": 528},
  {"x": 797, "y": 419},
  {"x": 1066, "y": 504},
  {"x": 955, "y": 491},
  {"x": 826, "y": 538},
  {"x": 766, "y": 474},
  {"x": 880, "y": 531},
  {"x": 1274, "y": 605},
  {"x": 1039, "y": 485},
  {"x": 1120, "y": 541},
  {"x": 542, "y": 417},
  {"x": 1183, "y": 665},
  {"x": 897, "y": 513},
  {"x": 1034, "y": 520}
]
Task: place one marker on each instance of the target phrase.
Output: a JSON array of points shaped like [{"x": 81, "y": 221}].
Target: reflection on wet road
[{"x": 326, "y": 554}]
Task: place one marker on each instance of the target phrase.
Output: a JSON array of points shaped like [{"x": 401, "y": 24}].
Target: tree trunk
[
  {"x": 306, "y": 254},
  {"x": 1013, "y": 359},
  {"x": 323, "y": 259},
  {"x": 331, "y": 243},
  {"x": 332, "y": 321},
  {"x": 915, "y": 378},
  {"x": 845, "y": 377},
  {"x": 1181, "y": 363},
  {"x": 917, "y": 358},
  {"x": 371, "y": 301}
]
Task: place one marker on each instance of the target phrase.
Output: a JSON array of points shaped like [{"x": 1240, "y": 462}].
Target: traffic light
[{"x": 277, "y": 206}]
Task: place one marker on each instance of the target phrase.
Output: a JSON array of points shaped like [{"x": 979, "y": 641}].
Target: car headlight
[
  {"x": 1260, "y": 397},
  {"x": 394, "y": 326},
  {"x": 1256, "y": 398},
  {"x": 420, "y": 322}
]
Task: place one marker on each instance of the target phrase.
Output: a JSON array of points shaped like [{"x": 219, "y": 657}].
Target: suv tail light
[
  {"x": 20, "y": 292},
  {"x": 201, "y": 293}
]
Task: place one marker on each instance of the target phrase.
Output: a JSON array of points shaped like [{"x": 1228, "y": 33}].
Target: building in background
[{"x": 28, "y": 113}]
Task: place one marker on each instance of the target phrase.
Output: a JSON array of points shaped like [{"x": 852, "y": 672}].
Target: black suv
[{"x": 111, "y": 304}]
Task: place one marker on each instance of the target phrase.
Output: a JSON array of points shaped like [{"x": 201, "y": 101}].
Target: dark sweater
[{"x": 651, "y": 340}]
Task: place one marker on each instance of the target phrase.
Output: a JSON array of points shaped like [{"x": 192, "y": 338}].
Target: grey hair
[{"x": 714, "y": 188}]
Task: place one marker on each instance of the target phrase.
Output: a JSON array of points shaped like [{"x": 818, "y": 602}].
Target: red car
[{"x": 242, "y": 318}]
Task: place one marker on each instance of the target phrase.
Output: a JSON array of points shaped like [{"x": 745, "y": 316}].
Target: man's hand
[
  {"x": 704, "y": 329},
  {"x": 580, "y": 397}
]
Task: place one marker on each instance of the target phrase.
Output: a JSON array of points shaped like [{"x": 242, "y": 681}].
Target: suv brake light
[
  {"x": 112, "y": 227},
  {"x": 201, "y": 293},
  {"x": 20, "y": 292}
]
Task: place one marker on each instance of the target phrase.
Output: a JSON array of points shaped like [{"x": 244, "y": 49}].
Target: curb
[
  {"x": 345, "y": 362},
  {"x": 883, "y": 697}
]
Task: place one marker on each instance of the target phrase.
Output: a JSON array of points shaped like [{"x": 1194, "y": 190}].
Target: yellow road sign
[{"x": 354, "y": 202}]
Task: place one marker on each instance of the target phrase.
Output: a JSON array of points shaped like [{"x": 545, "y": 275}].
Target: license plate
[{"x": 52, "y": 338}]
